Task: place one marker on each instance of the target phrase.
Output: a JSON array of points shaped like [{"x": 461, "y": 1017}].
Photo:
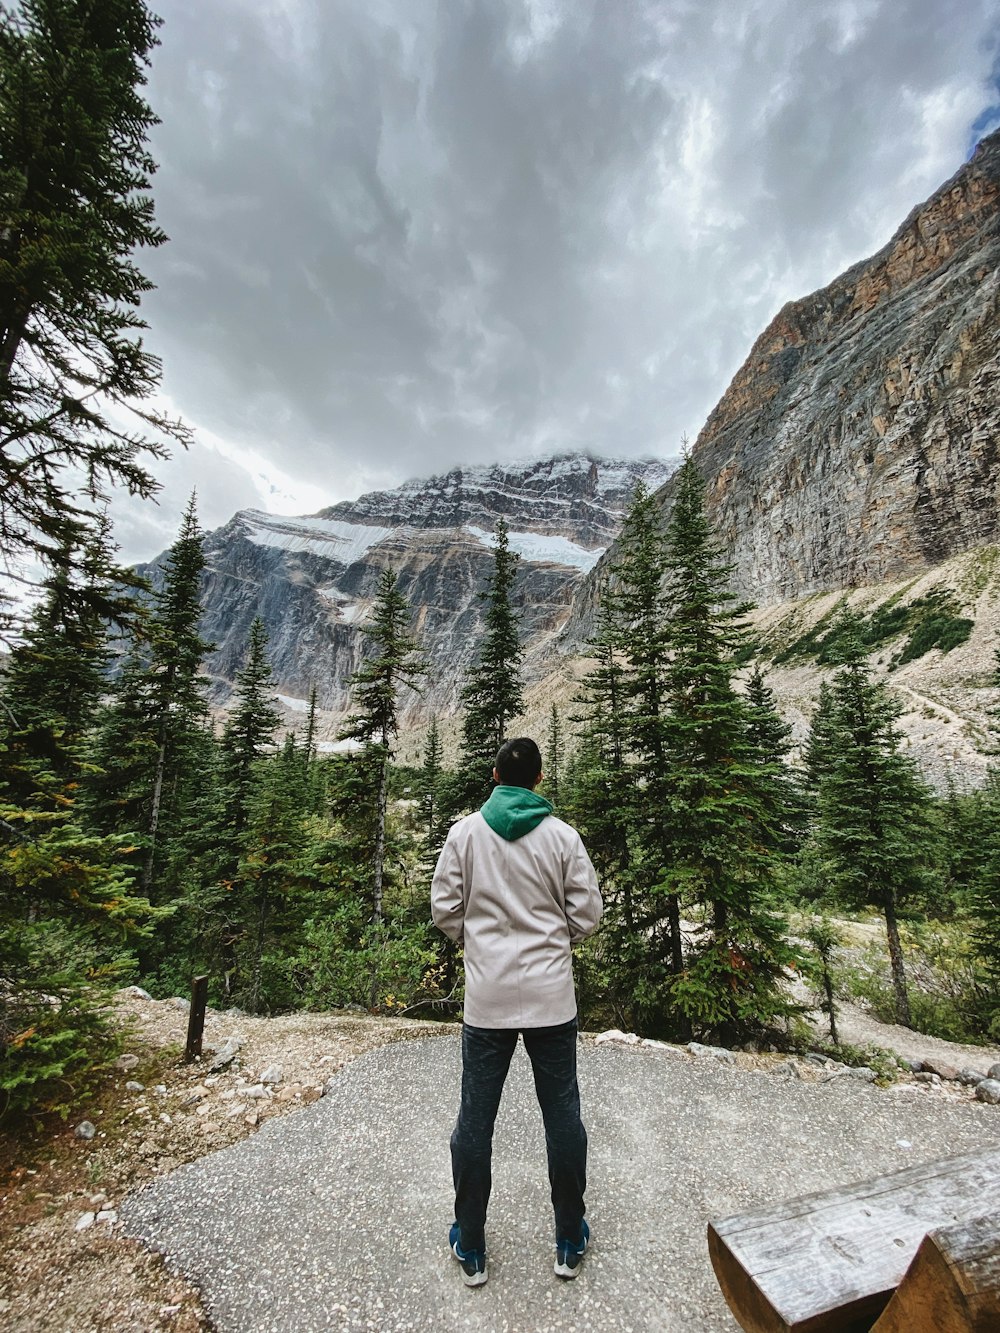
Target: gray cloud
[{"x": 406, "y": 234}]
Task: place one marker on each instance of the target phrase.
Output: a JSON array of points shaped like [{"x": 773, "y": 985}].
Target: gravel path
[
  {"x": 336, "y": 1218},
  {"x": 859, "y": 1028}
]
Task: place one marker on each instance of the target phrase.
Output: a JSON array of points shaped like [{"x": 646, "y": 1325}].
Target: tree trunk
[
  {"x": 896, "y": 961},
  {"x": 13, "y": 335},
  {"x": 258, "y": 951},
  {"x": 674, "y": 921},
  {"x": 830, "y": 1006},
  {"x": 379, "y": 856},
  {"x": 154, "y": 816}
]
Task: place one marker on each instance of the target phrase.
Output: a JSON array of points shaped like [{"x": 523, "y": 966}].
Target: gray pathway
[{"x": 336, "y": 1217}]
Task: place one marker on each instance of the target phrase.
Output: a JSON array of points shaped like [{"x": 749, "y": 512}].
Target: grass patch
[
  {"x": 982, "y": 569},
  {"x": 884, "y": 1063},
  {"x": 945, "y": 981},
  {"x": 932, "y": 621}
]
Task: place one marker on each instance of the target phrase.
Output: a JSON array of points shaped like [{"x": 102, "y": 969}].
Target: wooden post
[{"x": 196, "y": 1018}]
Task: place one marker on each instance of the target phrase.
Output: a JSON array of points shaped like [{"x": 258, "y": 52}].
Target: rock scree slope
[{"x": 336, "y": 1218}]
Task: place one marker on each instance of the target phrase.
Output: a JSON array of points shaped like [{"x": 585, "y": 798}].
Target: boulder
[
  {"x": 942, "y": 1069},
  {"x": 714, "y": 1052}
]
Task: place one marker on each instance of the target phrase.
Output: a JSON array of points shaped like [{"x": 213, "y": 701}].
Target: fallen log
[
  {"x": 831, "y": 1260},
  {"x": 953, "y": 1283}
]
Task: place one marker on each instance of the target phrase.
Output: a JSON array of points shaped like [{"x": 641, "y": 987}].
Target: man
[{"x": 515, "y": 886}]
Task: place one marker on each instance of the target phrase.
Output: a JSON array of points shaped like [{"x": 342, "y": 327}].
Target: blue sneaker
[
  {"x": 569, "y": 1256},
  {"x": 473, "y": 1261}
]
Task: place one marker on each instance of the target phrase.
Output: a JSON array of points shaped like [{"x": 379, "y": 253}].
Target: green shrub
[
  {"x": 945, "y": 981},
  {"x": 345, "y": 961},
  {"x": 932, "y": 621},
  {"x": 884, "y": 1063},
  {"x": 55, "y": 1037},
  {"x": 944, "y": 630}
]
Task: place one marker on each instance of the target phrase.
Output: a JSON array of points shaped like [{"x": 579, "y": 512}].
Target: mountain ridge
[{"x": 312, "y": 578}]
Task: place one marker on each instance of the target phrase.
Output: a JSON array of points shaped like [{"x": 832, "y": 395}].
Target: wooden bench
[
  {"x": 953, "y": 1284},
  {"x": 834, "y": 1260}
]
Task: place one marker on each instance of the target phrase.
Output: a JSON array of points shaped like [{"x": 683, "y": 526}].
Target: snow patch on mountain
[
  {"x": 343, "y": 542},
  {"x": 537, "y": 549},
  {"x": 295, "y": 705}
]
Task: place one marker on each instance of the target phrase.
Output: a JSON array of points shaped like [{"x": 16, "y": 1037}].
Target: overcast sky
[{"x": 408, "y": 234}]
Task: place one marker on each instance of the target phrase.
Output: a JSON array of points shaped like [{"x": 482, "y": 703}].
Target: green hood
[{"x": 514, "y": 811}]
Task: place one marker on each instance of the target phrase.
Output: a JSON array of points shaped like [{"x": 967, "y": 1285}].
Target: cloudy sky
[{"x": 407, "y": 234}]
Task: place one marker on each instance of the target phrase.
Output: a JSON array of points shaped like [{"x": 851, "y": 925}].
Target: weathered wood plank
[
  {"x": 827, "y": 1260},
  {"x": 952, "y": 1285}
]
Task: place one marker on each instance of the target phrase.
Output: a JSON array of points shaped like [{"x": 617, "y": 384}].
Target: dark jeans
[{"x": 486, "y": 1056}]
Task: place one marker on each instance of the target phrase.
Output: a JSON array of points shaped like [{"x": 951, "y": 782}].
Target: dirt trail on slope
[{"x": 859, "y": 1028}]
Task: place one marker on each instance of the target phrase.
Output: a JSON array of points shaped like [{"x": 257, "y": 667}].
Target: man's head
[{"x": 518, "y": 763}]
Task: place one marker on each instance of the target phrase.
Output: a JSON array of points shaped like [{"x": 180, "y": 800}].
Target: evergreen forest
[{"x": 144, "y": 841}]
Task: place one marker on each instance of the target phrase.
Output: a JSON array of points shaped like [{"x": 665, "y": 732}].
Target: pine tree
[
  {"x": 226, "y": 909},
  {"x": 553, "y": 756},
  {"x": 601, "y": 787},
  {"x": 430, "y": 779},
  {"x": 314, "y": 788},
  {"x": 68, "y": 915},
  {"x": 770, "y": 740},
  {"x": 493, "y": 694},
  {"x": 177, "y": 689},
  {"x": 817, "y": 750},
  {"x": 248, "y": 735},
  {"x": 960, "y": 817},
  {"x": 52, "y": 687},
  {"x": 74, "y": 171},
  {"x": 151, "y": 743},
  {"x": 122, "y": 756},
  {"x": 874, "y": 829},
  {"x": 618, "y": 798},
  {"x": 638, "y": 629},
  {"x": 986, "y": 903},
  {"x": 51, "y": 690},
  {"x": 825, "y": 938},
  {"x": 986, "y": 900},
  {"x": 272, "y": 869},
  {"x": 376, "y": 687},
  {"x": 724, "y": 794},
  {"x": 598, "y": 796}
]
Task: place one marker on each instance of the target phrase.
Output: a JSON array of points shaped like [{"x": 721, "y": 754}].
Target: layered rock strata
[
  {"x": 312, "y": 579},
  {"x": 858, "y": 443}
]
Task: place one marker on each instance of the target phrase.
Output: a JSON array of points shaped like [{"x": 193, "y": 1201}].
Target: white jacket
[{"x": 517, "y": 907}]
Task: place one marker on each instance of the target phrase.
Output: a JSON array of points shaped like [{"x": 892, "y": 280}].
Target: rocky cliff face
[
  {"x": 858, "y": 443},
  {"x": 311, "y": 579}
]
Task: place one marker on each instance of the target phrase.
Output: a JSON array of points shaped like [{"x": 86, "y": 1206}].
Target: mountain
[
  {"x": 854, "y": 457},
  {"x": 312, "y": 579},
  {"x": 858, "y": 442}
]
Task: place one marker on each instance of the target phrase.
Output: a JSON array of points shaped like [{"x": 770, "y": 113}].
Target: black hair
[{"x": 519, "y": 763}]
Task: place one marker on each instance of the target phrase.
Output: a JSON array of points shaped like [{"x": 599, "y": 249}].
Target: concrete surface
[{"x": 336, "y": 1217}]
